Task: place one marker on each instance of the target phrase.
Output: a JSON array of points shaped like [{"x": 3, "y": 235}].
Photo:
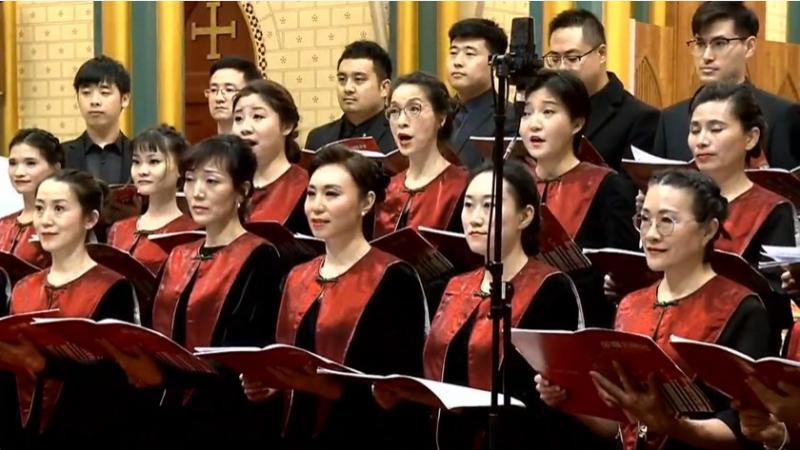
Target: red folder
[
  {"x": 435, "y": 394},
  {"x": 12, "y": 325},
  {"x": 454, "y": 247},
  {"x": 725, "y": 370},
  {"x": 78, "y": 340},
  {"x": 123, "y": 202},
  {"x": 641, "y": 171},
  {"x": 587, "y": 152},
  {"x": 393, "y": 162},
  {"x": 168, "y": 241},
  {"x": 126, "y": 265},
  {"x": 734, "y": 267},
  {"x": 252, "y": 361},
  {"x": 15, "y": 268},
  {"x": 779, "y": 181},
  {"x": 295, "y": 247},
  {"x": 627, "y": 268},
  {"x": 485, "y": 145},
  {"x": 566, "y": 357},
  {"x": 427, "y": 258},
  {"x": 556, "y": 247}
]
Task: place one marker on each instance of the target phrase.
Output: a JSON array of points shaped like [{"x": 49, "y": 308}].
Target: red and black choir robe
[
  {"x": 595, "y": 206},
  {"x": 747, "y": 215},
  {"x": 793, "y": 349},
  {"x": 372, "y": 318},
  {"x": 125, "y": 236},
  {"x": 70, "y": 402},
  {"x": 217, "y": 296},
  {"x": 15, "y": 238},
  {"x": 721, "y": 312},
  {"x": 436, "y": 205},
  {"x": 756, "y": 218},
  {"x": 282, "y": 200},
  {"x": 458, "y": 350}
]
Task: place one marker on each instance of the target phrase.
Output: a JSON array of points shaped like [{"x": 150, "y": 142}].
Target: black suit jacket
[
  {"x": 480, "y": 122},
  {"x": 75, "y": 156},
  {"x": 619, "y": 120},
  {"x": 330, "y": 132},
  {"x": 782, "y": 142}
]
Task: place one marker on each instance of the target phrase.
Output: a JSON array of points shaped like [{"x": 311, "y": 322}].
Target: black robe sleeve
[
  {"x": 388, "y": 340},
  {"x": 609, "y": 221},
  {"x": 217, "y": 411},
  {"x": 747, "y": 331},
  {"x": 777, "y": 229},
  {"x": 97, "y": 403},
  {"x": 249, "y": 314}
]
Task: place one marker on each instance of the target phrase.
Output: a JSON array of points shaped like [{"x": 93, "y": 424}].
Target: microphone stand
[{"x": 501, "y": 293}]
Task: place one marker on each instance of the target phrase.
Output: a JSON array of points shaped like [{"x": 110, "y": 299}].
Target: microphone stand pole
[{"x": 501, "y": 292}]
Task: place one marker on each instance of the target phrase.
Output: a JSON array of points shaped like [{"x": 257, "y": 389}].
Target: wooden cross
[{"x": 213, "y": 31}]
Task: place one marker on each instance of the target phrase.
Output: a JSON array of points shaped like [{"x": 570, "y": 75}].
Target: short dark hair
[
  {"x": 745, "y": 21},
  {"x": 245, "y": 66},
  {"x": 233, "y": 155},
  {"x": 281, "y": 101},
  {"x": 708, "y": 202},
  {"x": 165, "y": 139},
  {"x": 744, "y": 107},
  {"x": 367, "y": 174},
  {"x": 89, "y": 190},
  {"x": 524, "y": 191},
  {"x": 437, "y": 94},
  {"x": 594, "y": 33},
  {"x": 103, "y": 69},
  {"x": 363, "y": 49},
  {"x": 44, "y": 141},
  {"x": 475, "y": 28},
  {"x": 570, "y": 90}
]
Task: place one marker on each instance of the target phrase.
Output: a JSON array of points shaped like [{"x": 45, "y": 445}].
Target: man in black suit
[
  {"x": 724, "y": 39},
  {"x": 363, "y": 76},
  {"x": 472, "y": 42},
  {"x": 618, "y": 119},
  {"x": 103, "y": 88}
]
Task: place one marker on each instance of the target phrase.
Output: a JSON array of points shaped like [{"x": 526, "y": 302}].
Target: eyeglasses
[
  {"x": 553, "y": 60},
  {"x": 227, "y": 91},
  {"x": 719, "y": 45},
  {"x": 665, "y": 225},
  {"x": 412, "y": 110}
]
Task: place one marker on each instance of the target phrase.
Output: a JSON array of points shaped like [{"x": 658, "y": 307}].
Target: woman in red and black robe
[
  {"x": 593, "y": 204},
  {"x": 62, "y": 402},
  {"x": 458, "y": 349},
  {"x": 265, "y": 115},
  {"x": 33, "y": 155},
  {"x": 679, "y": 222},
  {"x": 219, "y": 291},
  {"x": 429, "y": 193},
  {"x": 356, "y": 305},
  {"x": 155, "y": 173},
  {"x": 725, "y": 132}
]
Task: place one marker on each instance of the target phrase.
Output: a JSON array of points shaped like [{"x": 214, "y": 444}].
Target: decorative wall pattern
[
  {"x": 53, "y": 40},
  {"x": 303, "y": 43},
  {"x": 777, "y": 15}
]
